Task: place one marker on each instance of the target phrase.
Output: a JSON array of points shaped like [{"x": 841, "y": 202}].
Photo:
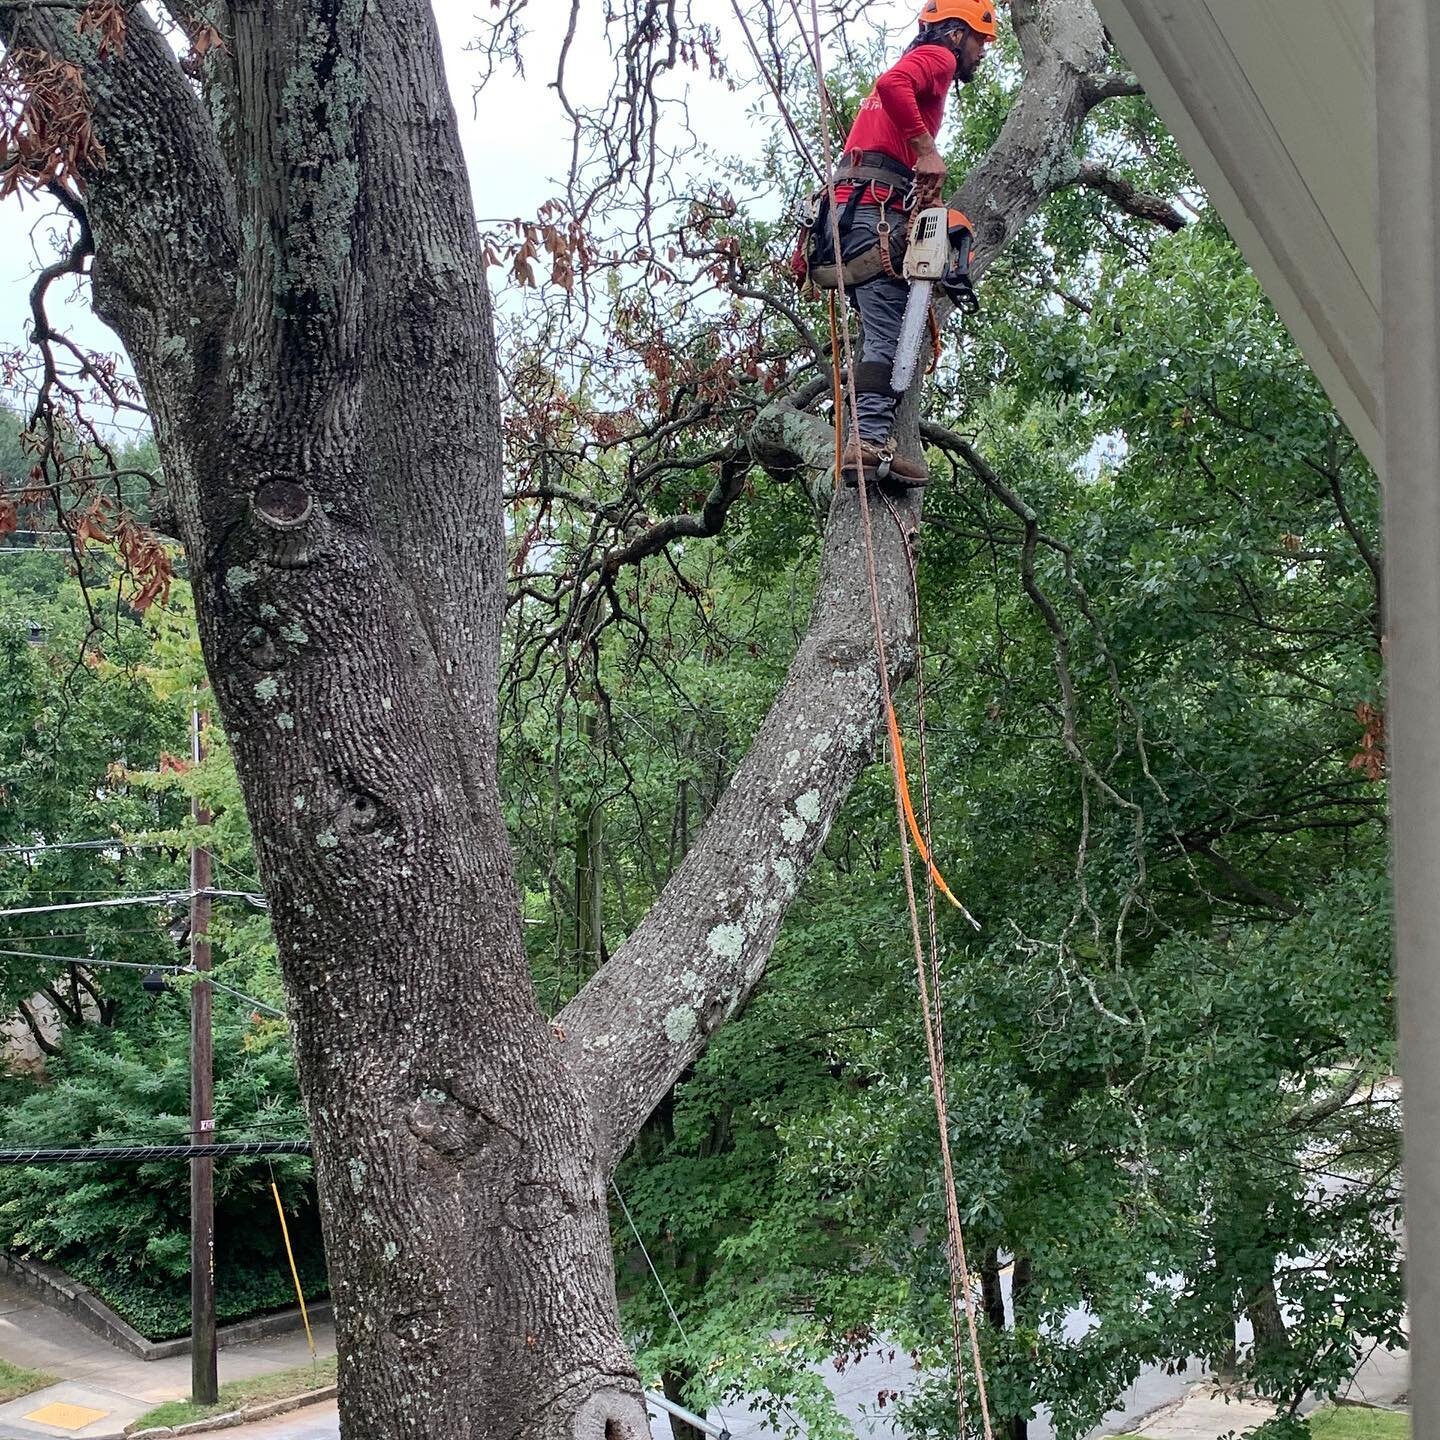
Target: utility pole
[{"x": 204, "y": 1367}]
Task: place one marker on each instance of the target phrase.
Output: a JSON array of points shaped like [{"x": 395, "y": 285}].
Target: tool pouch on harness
[{"x": 815, "y": 257}]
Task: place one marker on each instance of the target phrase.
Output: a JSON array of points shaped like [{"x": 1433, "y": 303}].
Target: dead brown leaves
[
  {"x": 46, "y": 133},
  {"x": 205, "y": 40},
  {"x": 105, "y": 20},
  {"x": 562, "y": 241},
  {"x": 1370, "y": 758},
  {"x": 140, "y": 551}
]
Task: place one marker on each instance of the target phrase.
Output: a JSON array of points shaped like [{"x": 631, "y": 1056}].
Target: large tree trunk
[
  {"x": 1267, "y": 1320},
  {"x": 293, "y": 265}
]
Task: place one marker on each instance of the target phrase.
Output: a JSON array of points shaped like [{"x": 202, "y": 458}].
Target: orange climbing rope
[
  {"x": 897, "y": 750},
  {"x": 927, "y": 968}
]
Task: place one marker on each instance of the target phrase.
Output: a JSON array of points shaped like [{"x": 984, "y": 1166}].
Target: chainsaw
[{"x": 938, "y": 254}]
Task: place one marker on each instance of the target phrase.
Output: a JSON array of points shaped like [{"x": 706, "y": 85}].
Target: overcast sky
[{"x": 516, "y": 139}]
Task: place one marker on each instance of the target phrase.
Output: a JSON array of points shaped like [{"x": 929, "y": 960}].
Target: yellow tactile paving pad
[{"x": 66, "y": 1417}]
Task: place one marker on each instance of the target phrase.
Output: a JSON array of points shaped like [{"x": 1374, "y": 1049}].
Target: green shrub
[
  {"x": 158, "y": 1306},
  {"x": 123, "y": 1228}
]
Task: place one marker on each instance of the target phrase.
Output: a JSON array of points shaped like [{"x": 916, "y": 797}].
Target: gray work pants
[{"x": 881, "y": 304}]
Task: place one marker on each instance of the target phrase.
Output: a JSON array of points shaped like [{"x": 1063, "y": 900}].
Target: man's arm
[{"x": 929, "y": 68}]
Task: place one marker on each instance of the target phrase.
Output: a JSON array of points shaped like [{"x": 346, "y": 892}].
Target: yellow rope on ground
[
  {"x": 294, "y": 1273},
  {"x": 928, "y": 976}
]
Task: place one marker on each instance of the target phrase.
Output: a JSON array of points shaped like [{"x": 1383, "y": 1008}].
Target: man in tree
[{"x": 889, "y": 150}]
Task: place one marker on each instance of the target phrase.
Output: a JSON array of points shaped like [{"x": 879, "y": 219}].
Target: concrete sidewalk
[
  {"x": 1206, "y": 1412},
  {"x": 101, "y": 1389}
]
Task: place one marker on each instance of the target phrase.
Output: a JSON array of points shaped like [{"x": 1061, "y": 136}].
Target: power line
[
  {"x": 88, "y": 960},
  {"x": 238, "y": 871},
  {"x": 164, "y": 897},
  {"x": 142, "y": 1153},
  {"x": 241, "y": 995},
  {"x": 119, "y": 843},
  {"x": 169, "y": 897},
  {"x": 59, "y": 892},
  {"x": 82, "y": 934},
  {"x": 91, "y": 960}
]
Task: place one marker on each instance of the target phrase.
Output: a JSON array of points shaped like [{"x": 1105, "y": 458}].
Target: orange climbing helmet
[{"x": 979, "y": 15}]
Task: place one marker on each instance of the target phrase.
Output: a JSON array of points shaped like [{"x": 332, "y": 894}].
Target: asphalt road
[{"x": 855, "y": 1391}]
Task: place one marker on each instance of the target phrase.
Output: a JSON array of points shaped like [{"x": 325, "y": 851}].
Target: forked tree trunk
[{"x": 292, "y": 263}]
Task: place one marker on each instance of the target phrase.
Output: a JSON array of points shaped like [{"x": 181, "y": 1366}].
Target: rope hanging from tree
[{"x": 927, "y": 969}]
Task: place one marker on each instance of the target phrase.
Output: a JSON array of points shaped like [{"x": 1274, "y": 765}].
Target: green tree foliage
[
  {"x": 80, "y": 716},
  {"x": 1155, "y": 740},
  {"x": 94, "y": 746},
  {"x": 124, "y": 1228}
]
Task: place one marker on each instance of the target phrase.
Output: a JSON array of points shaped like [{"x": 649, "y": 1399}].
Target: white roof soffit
[{"x": 1273, "y": 103}]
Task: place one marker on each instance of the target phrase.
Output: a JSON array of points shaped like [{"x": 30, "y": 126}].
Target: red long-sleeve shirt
[{"x": 907, "y": 99}]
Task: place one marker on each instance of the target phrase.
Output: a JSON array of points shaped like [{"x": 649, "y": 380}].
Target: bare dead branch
[{"x": 708, "y": 522}]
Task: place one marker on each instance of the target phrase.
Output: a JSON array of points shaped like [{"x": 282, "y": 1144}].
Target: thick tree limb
[
  {"x": 787, "y": 440},
  {"x": 1321, "y": 1110},
  {"x": 711, "y": 519},
  {"x": 1113, "y": 86},
  {"x": 43, "y": 1043},
  {"x": 697, "y": 955},
  {"x": 1245, "y": 885},
  {"x": 1132, "y": 200},
  {"x": 161, "y": 207}
]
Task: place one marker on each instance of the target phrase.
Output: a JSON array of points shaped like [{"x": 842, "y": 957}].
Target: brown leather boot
[{"x": 881, "y": 466}]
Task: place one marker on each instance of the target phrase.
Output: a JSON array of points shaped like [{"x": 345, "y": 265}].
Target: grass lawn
[
  {"x": 235, "y": 1393},
  {"x": 15, "y": 1382},
  {"x": 1347, "y": 1422}
]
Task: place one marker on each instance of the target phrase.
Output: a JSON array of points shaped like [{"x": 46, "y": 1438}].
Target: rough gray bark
[{"x": 292, "y": 264}]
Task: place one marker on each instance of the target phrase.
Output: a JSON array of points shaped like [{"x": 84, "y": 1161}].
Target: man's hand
[{"x": 928, "y": 160}]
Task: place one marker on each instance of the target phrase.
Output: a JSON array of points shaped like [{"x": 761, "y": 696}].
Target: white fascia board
[
  {"x": 1408, "y": 45},
  {"x": 1201, "y": 88}
]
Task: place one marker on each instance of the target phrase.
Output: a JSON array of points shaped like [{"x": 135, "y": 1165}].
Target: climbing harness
[
  {"x": 931, "y": 247},
  {"x": 873, "y": 178},
  {"x": 927, "y": 969}
]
